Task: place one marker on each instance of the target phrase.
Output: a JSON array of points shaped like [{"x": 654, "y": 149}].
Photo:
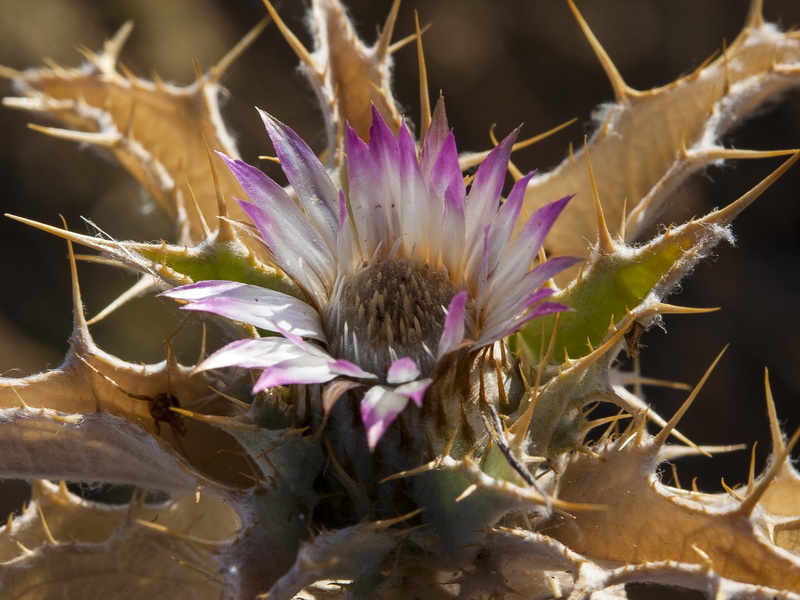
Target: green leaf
[
  {"x": 228, "y": 261},
  {"x": 610, "y": 286}
]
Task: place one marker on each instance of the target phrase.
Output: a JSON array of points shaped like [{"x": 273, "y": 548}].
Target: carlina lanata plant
[{"x": 413, "y": 382}]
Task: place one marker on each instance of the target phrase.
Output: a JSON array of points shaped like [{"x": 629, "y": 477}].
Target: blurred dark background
[{"x": 498, "y": 61}]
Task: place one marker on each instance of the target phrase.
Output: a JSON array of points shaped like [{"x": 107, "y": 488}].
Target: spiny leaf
[
  {"x": 607, "y": 289},
  {"x": 218, "y": 261},
  {"x": 648, "y": 143},
  {"x": 158, "y": 132},
  {"x": 63, "y": 545},
  {"x": 365, "y": 547},
  {"x": 181, "y": 265},
  {"x": 629, "y": 279},
  {"x": 42, "y": 443},
  {"x": 661, "y": 524},
  {"x": 348, "y": 76}
]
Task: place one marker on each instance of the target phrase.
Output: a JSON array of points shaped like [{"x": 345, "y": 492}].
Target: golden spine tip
[
  {"x": 383, "y": 47},
  {"x": 755, "y": 16},
  {"x": 81, "y": 328},
  {"x": 299, "y": 49},
  {"x": 113, "y": 46},
  {"x": 724, "y": 216},
  {"x": 661, "y": 438},
  {"x": 424, "y": 100},
  {"x": 622, "y": 92},
  {"x": 768, "y": 478},
  {"x": 9, "y": 73},
  {"x": 216, "y": 72},
  {"x": 106, "y": 140},
  {"x": 605, "y": 243},
  {"x": 778, "y": 444},
  {"x": 224, "y": 230}
]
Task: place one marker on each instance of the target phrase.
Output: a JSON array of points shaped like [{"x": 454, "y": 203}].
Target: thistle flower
[{"x": 400, "y": 270}]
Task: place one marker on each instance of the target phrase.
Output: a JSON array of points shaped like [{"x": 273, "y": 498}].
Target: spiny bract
[{"x": 289, "y": 463}]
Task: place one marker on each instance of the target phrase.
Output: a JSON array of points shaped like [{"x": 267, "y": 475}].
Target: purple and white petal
[
  {"x": 508, "y": 318},
  {"x": 258, "y": 353},
  {"x": 507, "y": 302},
  {"x": 362, "y": 182},
  {"x": 281, "y": 222},
  {"x": 503, "y": 294},
  {"x": 503, "y": 225},
  {"x": 532, "y": 234},
  {"x": 484, "y": 195},
  {"x": 543, "y": 309},
  {"x": 509, "y": 308},
  {"x": 346, "y": 368},
  {"x": 313, "y": 271},
  {"x": 337, "y": 365},
  {"x": 257, "y": 306},
  {"x": 415, "y": 390},
  {"x": 448, "y": 188},
  {"x": 445, "y": 178},
  {"x": 454, "y": 325},
  {"x": 383, "y": 148},
  {"x": 416, "y": 210},
  {"x": 549, "y": 269},
  {"x": 304, "y": 370},
  {"x": 402, "y": 370},
  {"x": 434, "y": 139},
  {"x": 379, "y": 408},
  {"x": 307, "y": 369},
  {"x": 308, "y": 177}
]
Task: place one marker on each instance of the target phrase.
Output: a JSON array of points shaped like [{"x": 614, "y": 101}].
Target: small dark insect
[
  {"x": 161, "y": 413},
  {"x": 632, "y": 337},
  {"x": 159, "y": 405}
]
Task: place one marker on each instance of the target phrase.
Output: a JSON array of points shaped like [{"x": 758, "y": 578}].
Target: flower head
[{"x": 400, "y": 269}]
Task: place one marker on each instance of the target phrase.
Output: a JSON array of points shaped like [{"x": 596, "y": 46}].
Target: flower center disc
[{"x": 391, "y": 309}]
